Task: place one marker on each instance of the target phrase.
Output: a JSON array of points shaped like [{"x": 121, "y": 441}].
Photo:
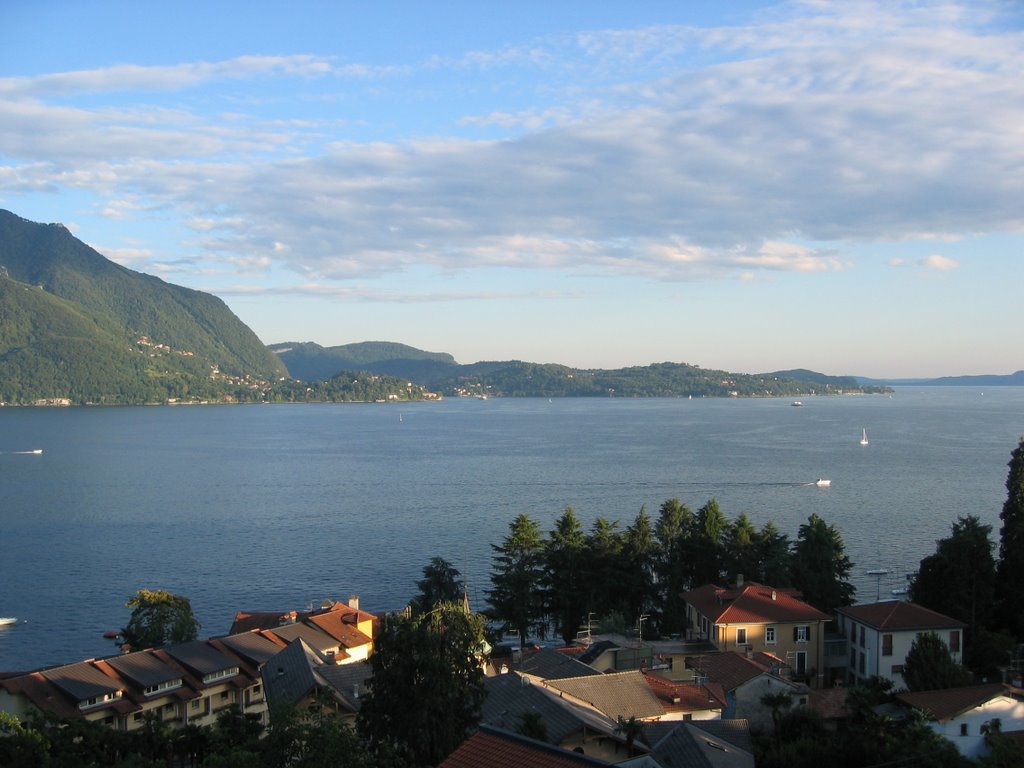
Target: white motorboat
[
  {"x": 822, "y": 482},
  {"x": 7, "y": 621}
]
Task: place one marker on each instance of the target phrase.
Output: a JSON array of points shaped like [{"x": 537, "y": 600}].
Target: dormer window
[
  {"x": 167, "y": 685},
  {"x": 220, "y": 674},
  {"x": 98, "y": 701}
]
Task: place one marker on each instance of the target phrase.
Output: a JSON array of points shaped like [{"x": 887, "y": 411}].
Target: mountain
[
  {"x": 75, "y": 325},
  {"x": 515, "y": 378},
  {"x": 981, "y": 380},
  {"x": 312, "y": 362}
]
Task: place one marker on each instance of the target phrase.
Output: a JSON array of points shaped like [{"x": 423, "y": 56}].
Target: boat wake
[{"x": 34, "y": 452}]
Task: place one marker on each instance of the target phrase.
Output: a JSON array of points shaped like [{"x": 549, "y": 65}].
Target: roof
[
  {"x": 493, "y": 747},
  {"x": 349, "y": 681},
  {"x": 316, "y": 638},
  {"x": 691, "y": 744},
  {"x": 616, "y": 694},
  {"x": 509, "y": 698},
  {"x": 201, "y": 657},
  {"x": 949, "y": 702},
  {"x": 341, "y": 627},
  {"x": 899, "y": 615},
  {"x": 594, "y": 651},
  {"x": 752, "y": 603},
  {"x": 81, "y": 681},
  {"x": 289, "y": 676},
  {"x": 550, "y": 664},
  {"x": 43, "y": 694},
  {"x": 144, "y": 669},
  {"x": 686, "y": 697},
  {"x": 729, "y": 669},
  {"x": 255, "y": 647},
  {"x": 830, "y": 703}
]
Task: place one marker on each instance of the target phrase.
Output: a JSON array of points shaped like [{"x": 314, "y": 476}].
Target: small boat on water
[
  {"x": 864, "y": 437},
  {"x": 6, "y": 621},
  {"x": 877, "y": 572},
  {"x": 797, "y": 404},
  {"x": 900, "y": 591},
  {"x": 822, "y": 482}
]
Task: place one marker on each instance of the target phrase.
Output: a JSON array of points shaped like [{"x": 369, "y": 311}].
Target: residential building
[
  {"x": 492, "y": 747},
  {"x": 753, "y": 618},
  {"x": 962, "y": 715},
  {"x": 880, "y": 636}
]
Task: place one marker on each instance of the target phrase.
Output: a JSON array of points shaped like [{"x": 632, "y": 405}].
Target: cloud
[
  {"x": 669, "y": 153},
  {"x": 939, "y": 263}
]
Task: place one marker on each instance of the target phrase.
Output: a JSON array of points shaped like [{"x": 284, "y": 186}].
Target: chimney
[
  {"x": 353, "y": 602},
  {"x": 775, "y": 595},
  {"x": 739, "y": 580},
  {"x": 355, "y": 691}
]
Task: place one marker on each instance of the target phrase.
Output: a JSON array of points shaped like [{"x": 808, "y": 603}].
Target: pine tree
[
  {"x": 1011, "y": 546},
  {"x": 821, "y": 567},
  {"x": 517, "y": 581}
]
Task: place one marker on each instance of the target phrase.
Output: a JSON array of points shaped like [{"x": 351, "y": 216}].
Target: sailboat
[{"x": 864, "y": 437}]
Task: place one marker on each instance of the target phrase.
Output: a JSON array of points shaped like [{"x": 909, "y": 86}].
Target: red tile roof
[
  {"x": 752, "y": 603},
  {"x": 686, "y": 697},
  {"x": 950, "y": 702},
  {"x": 340, "y": 628},
  {"x": 495, "y": 748},
  {"x": 897, "y": 615}
]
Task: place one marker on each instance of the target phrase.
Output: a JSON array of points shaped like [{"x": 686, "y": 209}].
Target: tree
[
  {"x": 516, "y": 596},
  {"x": 565, "y": 584},
  {"x": 959, "y": 580},
  {"x": 158, "y": 618},
  {"x": 706, "y": 544},
  {"x": 671, "y": 566},
  {"x": 604, "y": 568},
  {"x": 929, "y": 666},
  {"x": 741, "y": 551},
  {"x": 440, "y": 584},
  {"x": 427, "y": 686},
  {"x": 638, "y": 554},
  {"x": 775, "y": 557},
  {"x": 821, "y": 567},
  {"x": 1011, "y": 546}
]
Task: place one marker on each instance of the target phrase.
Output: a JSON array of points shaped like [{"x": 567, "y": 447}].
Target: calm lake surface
[{"x": 272, "y": 507}]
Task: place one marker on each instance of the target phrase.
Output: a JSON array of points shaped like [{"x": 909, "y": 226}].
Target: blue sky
[{"x": 747, "y": 186}]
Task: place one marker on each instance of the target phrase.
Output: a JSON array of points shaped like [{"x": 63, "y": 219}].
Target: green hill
[
  {"x": 76, "y": 326},
  {"x": 49, "y": 256}
]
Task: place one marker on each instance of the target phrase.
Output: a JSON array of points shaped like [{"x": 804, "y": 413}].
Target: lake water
[{"x": 272, "y": 507}]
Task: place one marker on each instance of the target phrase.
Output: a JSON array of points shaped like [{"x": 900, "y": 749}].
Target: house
[
  {"x": 745, "y": 680},
  {"x": 962, "y": 715},
  {"x": 755, "y": 618},
  {"x": 881, "y": 634},
  {"x": 185, "y": 684},
  {"x": 299, "y": 677}
]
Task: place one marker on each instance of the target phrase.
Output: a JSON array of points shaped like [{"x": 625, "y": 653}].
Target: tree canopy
[
  {"x": 1011, "y": 546},
  {"x": 159, "y": 618},
  {"x": 427, "y": 686},
  {"x": 930, "y": 667},
  {"x": 821, "y": 567}
]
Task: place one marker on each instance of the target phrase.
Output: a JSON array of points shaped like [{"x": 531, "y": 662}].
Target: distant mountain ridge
[
  {"x": 440, "y": 372},
  {"x": 1015, "y": 379}
]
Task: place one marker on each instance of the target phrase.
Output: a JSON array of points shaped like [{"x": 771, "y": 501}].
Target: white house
[
  {"x": 881, "y": 634},
  {"x": 960, "y": 714}
]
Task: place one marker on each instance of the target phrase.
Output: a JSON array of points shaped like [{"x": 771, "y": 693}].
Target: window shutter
[{"x": 795, "y": 630}]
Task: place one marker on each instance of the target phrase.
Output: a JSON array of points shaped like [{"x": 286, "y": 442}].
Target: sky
[{"x": 747, "y": 186}]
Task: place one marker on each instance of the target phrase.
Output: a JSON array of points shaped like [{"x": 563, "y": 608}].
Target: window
[
  {"x": 801, "y": 634},
  {"x": 167, "y": 685},
  {"x": 741, "y": 636},
  {"x": 769, "y": 635},
  {"x": 860, "y": 663},
  {"x": 897, "y": 669},
  {"x": 853, "y": 658},
  {"x": 195, "y": 703},
  {"x": 220, "y": 674},
  {"x": 954, "y": 641},
  {"x": 862, "y": 636},
  {"x": 887, "y": 645},
  {"x": 963, "y": 729},
  {"x": 801, "y": 662}
]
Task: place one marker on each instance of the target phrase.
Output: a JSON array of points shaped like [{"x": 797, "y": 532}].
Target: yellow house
[{"x": 751, "y": 617}]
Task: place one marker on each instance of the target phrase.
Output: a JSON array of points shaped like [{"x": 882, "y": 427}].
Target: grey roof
[
  {"x": 618, "y": 693},
  {"x": 551, "y": 665},
  {"x": 693, "y": 745},
  {"x": 288, "y": 676},
  {"x": 594, "y": 651},
  {"x": 144, "y": 669},
  {"x": 347, "y": 679},
  {"x": 201, "y": 657},
  {"x": 314, "y": 637},
  {"x": 252, "y": 646},
  {"x": 735, "y": 730},
  {"x": 508, "y": 698},
  {"x": 81, "y": 681}
]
